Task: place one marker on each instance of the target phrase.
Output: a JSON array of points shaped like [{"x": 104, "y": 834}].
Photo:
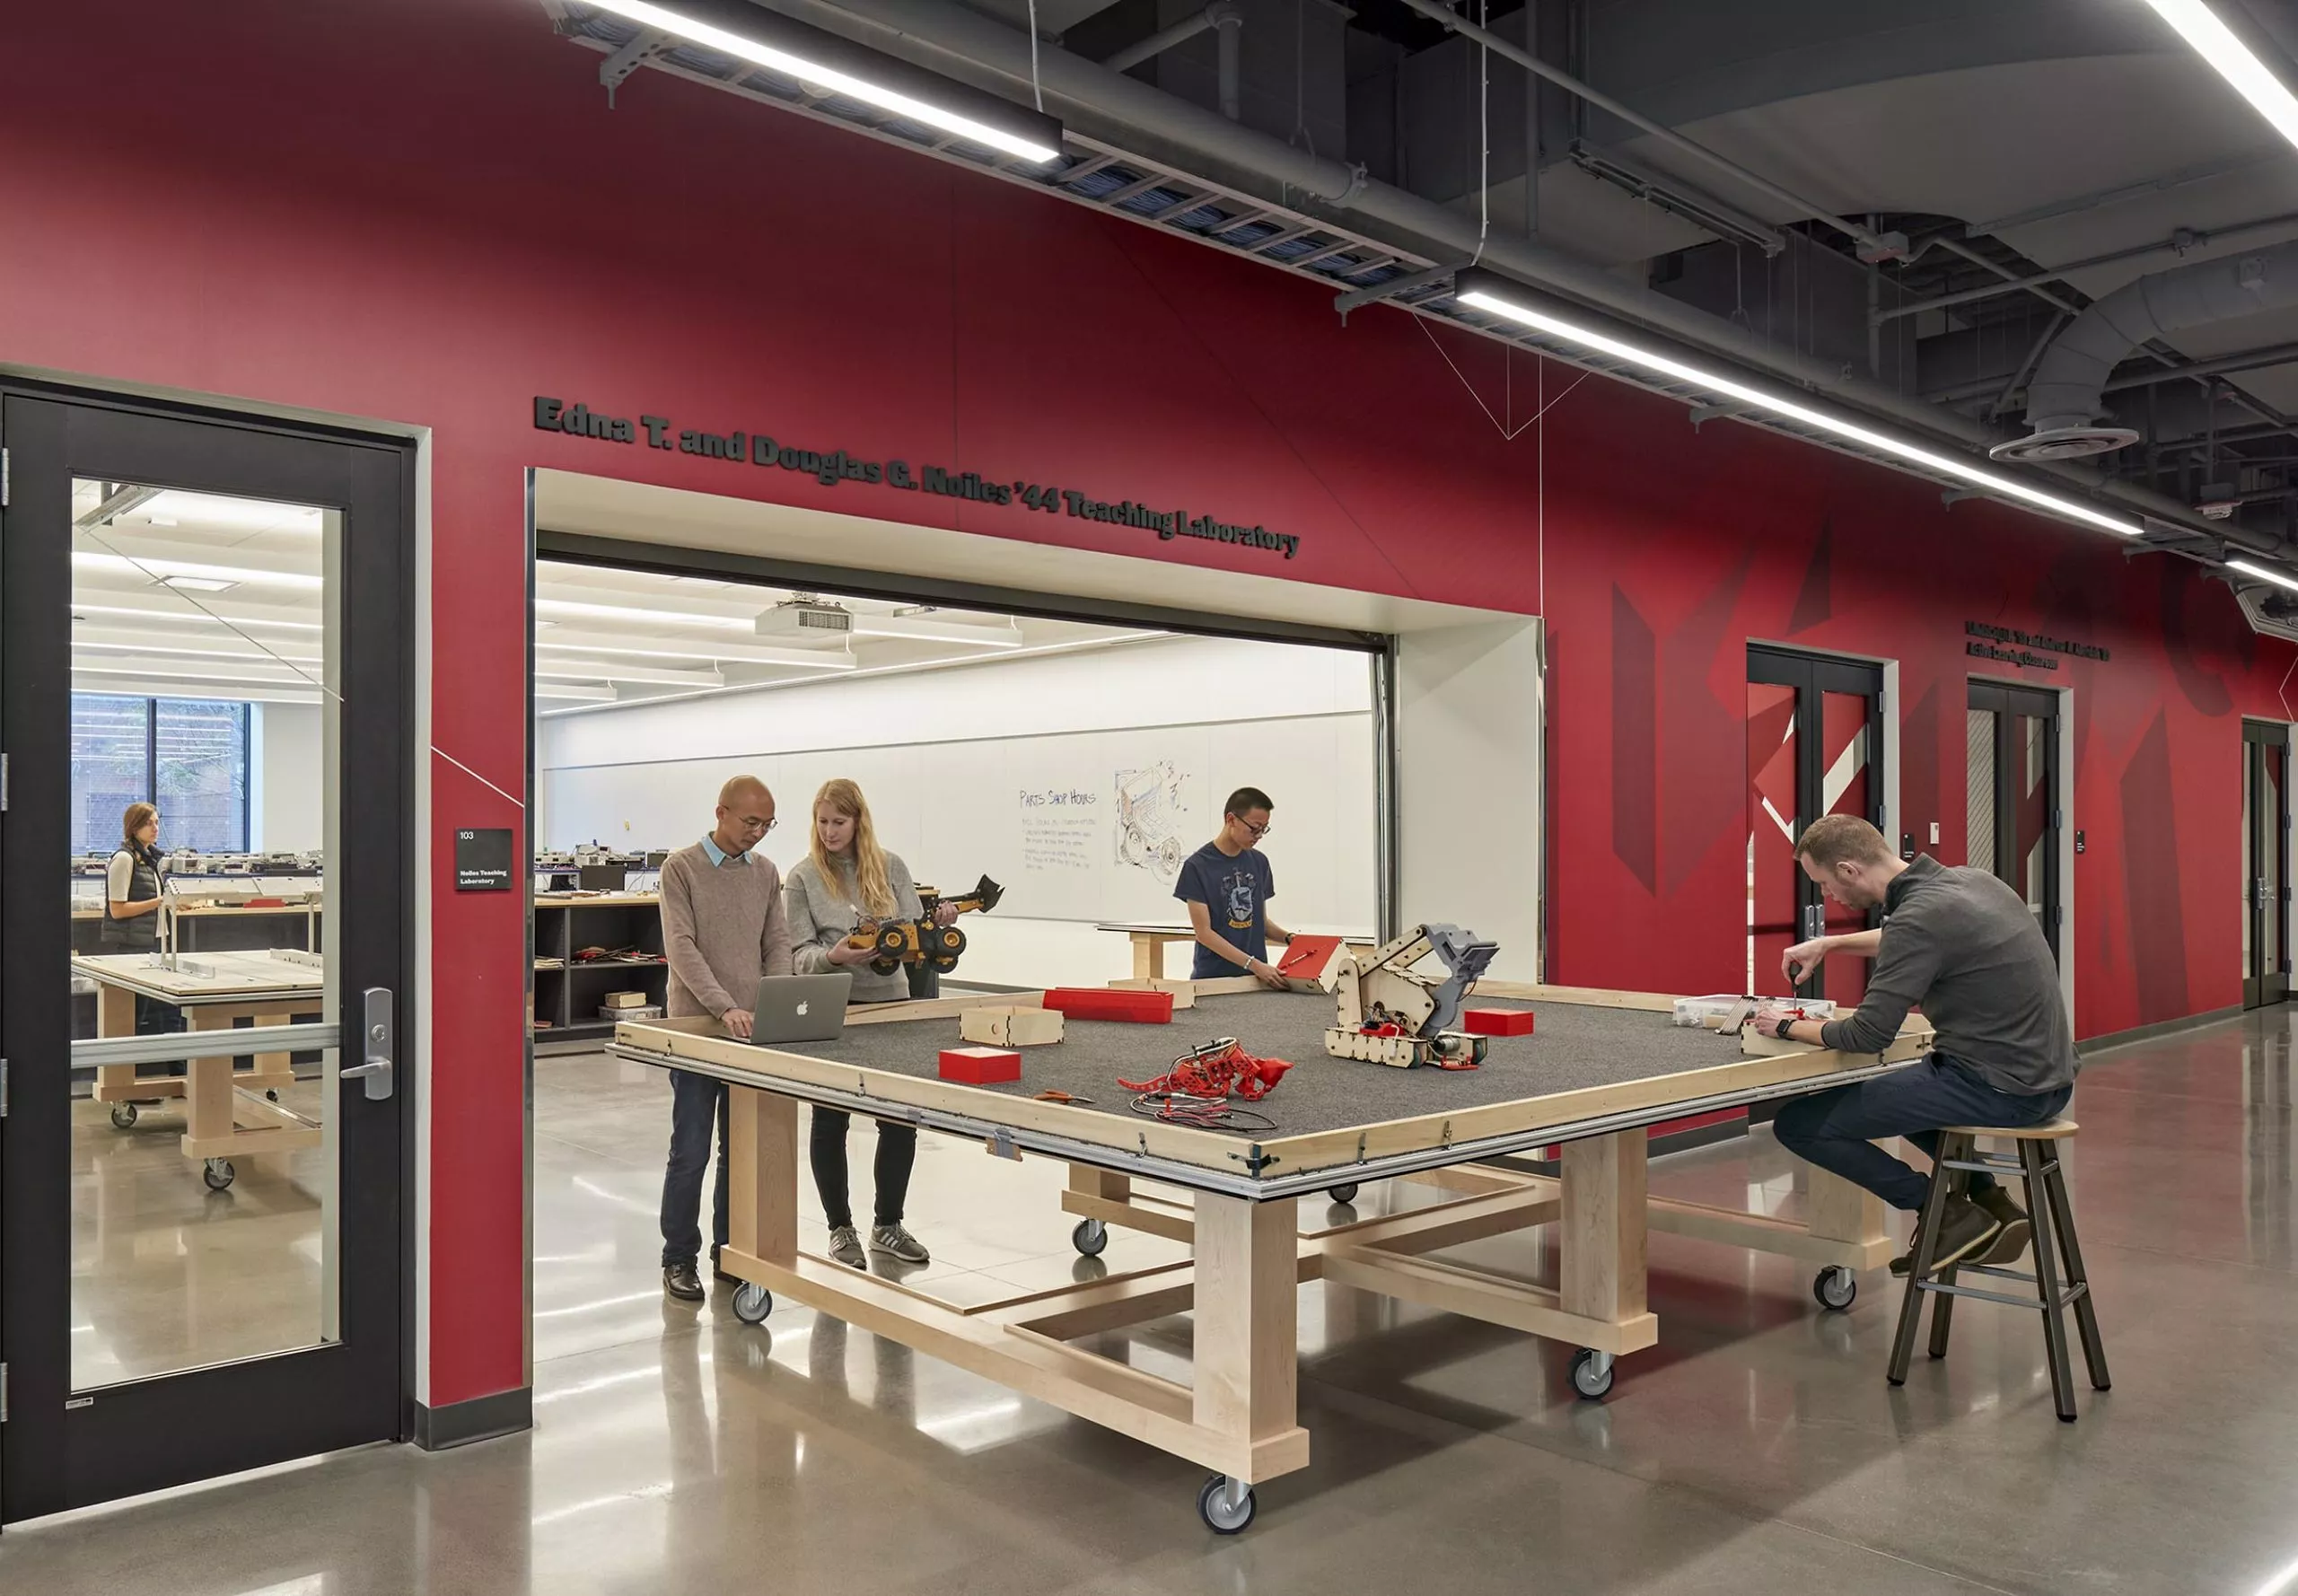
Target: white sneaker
[
  {"x": 898, "y": 1243},
  {"x": 845, "y": 1247}
]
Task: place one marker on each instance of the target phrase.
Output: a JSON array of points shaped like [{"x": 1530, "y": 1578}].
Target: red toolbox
[
  {"x": 980, "y": 1066},
  {"x": 1113, "y": 1003}
]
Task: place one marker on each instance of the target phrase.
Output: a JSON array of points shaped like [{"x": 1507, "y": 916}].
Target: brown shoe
[{"x": 2010, "y": 1246}]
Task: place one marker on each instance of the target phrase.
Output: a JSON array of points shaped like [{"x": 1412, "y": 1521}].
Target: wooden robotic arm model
[
  {"x": 1395, "y": 1014},
  {"x": 921, "y": 941}
]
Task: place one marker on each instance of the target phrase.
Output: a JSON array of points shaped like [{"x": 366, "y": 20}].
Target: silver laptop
[{"x": 799, "y": 1008}]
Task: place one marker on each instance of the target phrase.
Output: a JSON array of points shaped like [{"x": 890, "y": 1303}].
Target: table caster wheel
[
  {"x": 752, "y": 1303},
  {"x": 1343, "y": 1194},
  {"x": 272, "y": 1093},
  {"x": 1225, "y": 1504},
  {"x": 1592, "y": 1372},
  {"x": 1835, "y": 1289},
  {"x": 123, "y": 1115},
  {"x": 218, "y": 1173},
  {"x": 1090, "y": 1237}
]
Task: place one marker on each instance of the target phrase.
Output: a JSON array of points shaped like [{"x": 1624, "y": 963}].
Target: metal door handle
[{"x": 376, "y": 1037}]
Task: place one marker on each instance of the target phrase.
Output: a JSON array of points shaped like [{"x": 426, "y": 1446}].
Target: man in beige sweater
[{"x": 723, "y": 928}]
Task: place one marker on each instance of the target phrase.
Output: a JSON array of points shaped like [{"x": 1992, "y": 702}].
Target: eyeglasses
[
  {"x": 760, "y": 827},
  {"x": 1262, "y": 829}
]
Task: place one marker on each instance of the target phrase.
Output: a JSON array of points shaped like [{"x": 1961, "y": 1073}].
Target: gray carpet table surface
[{"x": 1574, "y": 1046}]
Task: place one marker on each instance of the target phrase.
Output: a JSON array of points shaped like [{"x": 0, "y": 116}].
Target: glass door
[
  {"x": 1815, "y": 740},
  {"x": 203, "y": 651},
  {"x": 2266, "y": 840},
  {"x": 2011, "y": 783}
]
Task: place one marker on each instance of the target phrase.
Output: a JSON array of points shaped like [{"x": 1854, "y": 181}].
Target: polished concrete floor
[{"x": 1756, "y": 1448}]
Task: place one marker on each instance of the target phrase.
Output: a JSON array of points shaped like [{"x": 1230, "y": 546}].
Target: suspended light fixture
[
  {"x": 1511, "y": 302},
  {"x": 820, "y": 60}
]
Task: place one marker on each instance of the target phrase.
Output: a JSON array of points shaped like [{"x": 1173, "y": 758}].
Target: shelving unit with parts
[{"x": 568, "y": 991}]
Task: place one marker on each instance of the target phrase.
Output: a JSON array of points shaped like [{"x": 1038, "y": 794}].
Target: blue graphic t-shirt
[{"x": 1235, "y": 893}]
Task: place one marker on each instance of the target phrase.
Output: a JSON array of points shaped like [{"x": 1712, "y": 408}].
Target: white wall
[
  {"x": 287, "y": 805},
  {"x": 1468, "y": 786},
  {"x": 961, "y": 768}
]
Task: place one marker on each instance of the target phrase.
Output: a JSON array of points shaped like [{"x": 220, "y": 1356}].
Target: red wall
[{"x": 424, "y": 212}]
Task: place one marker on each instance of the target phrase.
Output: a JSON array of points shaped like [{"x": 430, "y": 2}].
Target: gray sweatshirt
[
  {"x": 823, "y": 914},
  {"x": 723, "y": 928},
  {"x": 1964, "y": 945}
]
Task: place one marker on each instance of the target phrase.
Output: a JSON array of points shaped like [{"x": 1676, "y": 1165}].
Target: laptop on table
[{"x": 799, "y": 1008}]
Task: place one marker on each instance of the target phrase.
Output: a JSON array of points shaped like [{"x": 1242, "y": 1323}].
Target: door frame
[
  {"x": 2017, "y": 698},
  {"x": 52, "y": 1456},
  {"x": 2264, "y": 990},
  {"x": 1832, "y": 672}
]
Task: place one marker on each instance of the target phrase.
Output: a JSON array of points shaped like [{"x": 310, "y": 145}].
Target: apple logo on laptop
[{"x": 801, "y": 1006}]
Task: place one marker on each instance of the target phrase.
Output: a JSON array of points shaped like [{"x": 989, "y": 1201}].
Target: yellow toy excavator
[{"x": 921, "y": 941}]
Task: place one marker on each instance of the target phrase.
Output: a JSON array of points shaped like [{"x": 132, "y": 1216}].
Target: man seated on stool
[
  {"x": 1961, "y": 943},
  {"x": 1227, "y": 884}
]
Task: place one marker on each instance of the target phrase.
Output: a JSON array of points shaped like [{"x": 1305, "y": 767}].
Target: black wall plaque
[{"x": 483, "y": 859}]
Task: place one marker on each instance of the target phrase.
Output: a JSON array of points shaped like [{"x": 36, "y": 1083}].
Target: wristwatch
[{"x": 1781, "y": 1029}]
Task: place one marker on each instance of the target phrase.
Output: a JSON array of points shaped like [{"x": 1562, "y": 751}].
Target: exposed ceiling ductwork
[
  {"x": 2065, "y": 395},
  {"x": 1373, "y": 203}
]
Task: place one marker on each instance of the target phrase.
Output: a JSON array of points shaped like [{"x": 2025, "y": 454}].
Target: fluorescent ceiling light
[
  {"x": 198, "y": 584},
  {"x": 176, "y": 507},
  {"x": 797, "y": 659},
  {"x": 2232, "y": 60},
  {"x": 164, "y": 569},
  {"x": 1484, "y": 291},
  {"x": 636, "y": 615},
  {"x": 1043, "y": 145},
  {"x": 201, "y": 654},
  {"x": 567, "y": 689},
  {"x": 181, "y": 673},
  {"x": 197, "y": 617},
  {"x": 2263, "y": 575},
  {"x": 934, "y": 629},
  {"x": 578, "y": 671}
]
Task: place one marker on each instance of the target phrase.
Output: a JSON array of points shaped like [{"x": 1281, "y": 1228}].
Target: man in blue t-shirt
[{"x": 1227, "y": 884}]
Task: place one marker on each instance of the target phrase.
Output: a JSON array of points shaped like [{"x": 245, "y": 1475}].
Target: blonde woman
[{"x": 846, "y": 880}]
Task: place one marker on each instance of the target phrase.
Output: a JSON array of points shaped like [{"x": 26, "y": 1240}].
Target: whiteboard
[{"x": 1079, "y": 826}]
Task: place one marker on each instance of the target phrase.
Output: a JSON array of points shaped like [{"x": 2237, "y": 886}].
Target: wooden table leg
[
  {"x": 1148, "y": 956},
  {"x": 1247, "y": 1334},
  {"x": 762, "y": 1182},
  {"x": 1840, "y": 1211},
  {"x": 115, "y": 1016},
  {"x": 1601, "y": 1274},
  {"x": 207, "y": 1094}
]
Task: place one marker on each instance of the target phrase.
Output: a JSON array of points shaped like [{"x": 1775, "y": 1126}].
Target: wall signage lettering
[
  {"x": 837, "y": 466},
  {"x": 483, "y": 859},
  {"x": 2014, "y": 647}
]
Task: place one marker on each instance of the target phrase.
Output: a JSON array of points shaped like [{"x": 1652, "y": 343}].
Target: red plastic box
[
  {"x": 1496, "y": 1021},
  {"x": 1113, "y": 1003},
  {"x": 980, "y": 1066}
]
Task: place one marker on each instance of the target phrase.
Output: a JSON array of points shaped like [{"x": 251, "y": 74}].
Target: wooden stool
[{"x": 2056, "y": 1288}]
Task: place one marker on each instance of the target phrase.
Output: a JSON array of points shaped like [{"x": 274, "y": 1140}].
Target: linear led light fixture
[
  {"x": 2232, "y": 60},
  {"x": 918, "y": 629},
  {"x": 196, "y": 617},
  {"x": 1488, "y": 292},
  {"x": 638, "y": 614},
  {"x": 821, "y": 59},
  {"x": 2263, "y": 575},
  {"x": 169, "y": 570},
  {"x": 792, "y": 658}
]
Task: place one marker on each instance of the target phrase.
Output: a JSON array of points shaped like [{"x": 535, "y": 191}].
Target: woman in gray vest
[{"x": 132, "y": 909}]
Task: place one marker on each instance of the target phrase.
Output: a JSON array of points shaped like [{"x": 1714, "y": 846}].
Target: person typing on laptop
[
  {"x": 724, "y": 928},
  {"x": 845, "y": 879}
]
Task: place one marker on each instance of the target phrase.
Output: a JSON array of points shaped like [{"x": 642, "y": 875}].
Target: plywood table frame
[
  {"x": 1249, "y": 1254},
  {"x": 1150, "y": 942},
  {"x": 218, "y": 1096}
]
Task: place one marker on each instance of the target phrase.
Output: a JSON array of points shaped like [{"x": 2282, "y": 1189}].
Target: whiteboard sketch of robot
[{"x": 1149, "y": 810}]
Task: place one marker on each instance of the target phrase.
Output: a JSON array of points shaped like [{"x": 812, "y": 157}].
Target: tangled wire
[{"x": 1198, "y": 1089}]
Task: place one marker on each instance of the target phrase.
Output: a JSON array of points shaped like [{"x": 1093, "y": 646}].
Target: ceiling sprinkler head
[
  {"x": 2064, "y": 443},
  {"x": 2218, "y": 501}
]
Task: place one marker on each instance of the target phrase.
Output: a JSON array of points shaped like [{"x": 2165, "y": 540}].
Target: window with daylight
[{"x": 189, "y": 755}]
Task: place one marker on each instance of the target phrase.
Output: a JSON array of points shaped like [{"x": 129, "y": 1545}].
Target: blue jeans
[
  {"x": 1836, "y": 1129},
  {"x": 696, "y": 1102}
]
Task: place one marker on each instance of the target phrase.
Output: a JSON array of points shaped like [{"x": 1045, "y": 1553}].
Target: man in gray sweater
[
  {"x": 723, "y": 928},
  {"x": 1963, "y": 944}
]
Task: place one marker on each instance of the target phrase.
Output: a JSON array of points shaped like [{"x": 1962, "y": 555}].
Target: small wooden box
[
  {"x": 625, "y": 1000},
  {"x": 1011, "y": 1027},
  {"x": 1111, "y": 1002},
  {"x": 1496, "y": 1021},
  {"x": 980, "y": 1066}
]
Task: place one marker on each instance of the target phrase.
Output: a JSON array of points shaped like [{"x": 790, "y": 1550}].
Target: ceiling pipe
[
  {"x": 1873, "y": 245},
  {"x": 1120, "y": 113},
  {"x": 2067, "y": 395}
]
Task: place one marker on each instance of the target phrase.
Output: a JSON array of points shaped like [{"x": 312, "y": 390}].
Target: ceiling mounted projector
[{"x": 807, "y": 620}]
